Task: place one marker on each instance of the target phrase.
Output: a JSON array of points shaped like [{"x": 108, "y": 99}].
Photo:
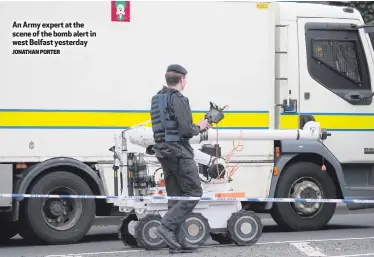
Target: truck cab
[{"x": 324, "y": 60}]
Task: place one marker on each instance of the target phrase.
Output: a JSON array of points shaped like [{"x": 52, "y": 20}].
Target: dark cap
[{"x": 177, "y": 68}]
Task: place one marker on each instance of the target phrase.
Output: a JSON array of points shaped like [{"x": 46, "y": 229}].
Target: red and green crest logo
[{"x": 121, "y": 11}]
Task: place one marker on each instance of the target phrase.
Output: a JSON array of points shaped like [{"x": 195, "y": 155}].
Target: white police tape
[{"x": 185, "y": 198}]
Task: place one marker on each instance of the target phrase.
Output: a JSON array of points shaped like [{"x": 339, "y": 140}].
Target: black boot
[
  {"x": 168, "y": 236},
  {"x": 186, "y": 248}
]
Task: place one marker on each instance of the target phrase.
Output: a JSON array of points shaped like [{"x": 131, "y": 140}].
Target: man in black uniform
[{"x": 173, "y": 127}]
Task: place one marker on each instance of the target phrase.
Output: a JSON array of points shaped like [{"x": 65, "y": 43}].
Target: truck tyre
[
  {"x": 57, "y": 220},
  {"x": 304, "y": 180}
]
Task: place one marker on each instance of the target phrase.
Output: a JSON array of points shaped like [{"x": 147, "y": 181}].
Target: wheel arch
[
  {"x": 295, "y": 151},
  {"x": 35, "y": 172},
  {"x": 318, "y": 160}
]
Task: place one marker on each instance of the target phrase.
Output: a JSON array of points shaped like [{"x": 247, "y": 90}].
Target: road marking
[
  {"x": 306, "y": 249},
  {"x": 93, "y": 253},
  {"x": 64, "y": 255},
  {"x": 206, "y": 246},
  {"x": 355, "y": 255},
  {"x": 317, "y": 240}
]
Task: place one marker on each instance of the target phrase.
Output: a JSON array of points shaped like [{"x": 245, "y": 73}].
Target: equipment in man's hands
[
  {"x": 215, "y": 113},
  {"x": 225, "y": 221}
]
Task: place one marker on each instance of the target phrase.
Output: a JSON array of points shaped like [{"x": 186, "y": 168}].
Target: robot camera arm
[{"x": 215, "y": 113}]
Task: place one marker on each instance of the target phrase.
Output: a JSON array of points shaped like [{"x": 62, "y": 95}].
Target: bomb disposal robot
[{"x": 223, "y": 219}]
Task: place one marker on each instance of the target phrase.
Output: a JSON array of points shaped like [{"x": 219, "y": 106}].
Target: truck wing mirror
[{"x": 367, "y": 28}]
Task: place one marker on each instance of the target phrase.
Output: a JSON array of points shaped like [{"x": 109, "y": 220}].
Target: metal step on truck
[{"x": 72, "y": 79}]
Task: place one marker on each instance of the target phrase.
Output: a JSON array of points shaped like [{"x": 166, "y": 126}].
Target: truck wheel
[
  {"x": 58, "y": 220},
  {"x": 304, "y": 180}
]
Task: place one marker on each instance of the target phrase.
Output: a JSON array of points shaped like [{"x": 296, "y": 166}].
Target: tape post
[{"x": 186, "y": 198}]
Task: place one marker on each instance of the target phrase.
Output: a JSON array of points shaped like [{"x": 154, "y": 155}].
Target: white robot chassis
[{"x": 223, "y": 220}]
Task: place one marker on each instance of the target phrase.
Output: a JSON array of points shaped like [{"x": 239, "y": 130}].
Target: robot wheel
[
  {"x": 123, "y": 232},
  {"x": 197, "y": 229},
  {"x": 144, "y": 233},
  {"x": 244, "y": 228}
]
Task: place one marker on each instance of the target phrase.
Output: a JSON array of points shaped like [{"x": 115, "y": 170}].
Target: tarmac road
[{"x": 347, "y": 235}]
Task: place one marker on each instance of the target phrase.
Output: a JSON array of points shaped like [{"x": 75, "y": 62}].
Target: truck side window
[
  {"x": 339, "y": 56},
  {"x": 336, "y": 58}
]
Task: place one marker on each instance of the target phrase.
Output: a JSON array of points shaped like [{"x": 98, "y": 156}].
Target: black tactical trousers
[{"x": 181, "y": 179}]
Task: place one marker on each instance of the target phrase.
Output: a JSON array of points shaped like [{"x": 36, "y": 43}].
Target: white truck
[{"x": 74, "y": 74}]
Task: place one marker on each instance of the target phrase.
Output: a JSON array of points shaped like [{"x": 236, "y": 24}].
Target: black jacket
[{"x": 182, "y": 111}]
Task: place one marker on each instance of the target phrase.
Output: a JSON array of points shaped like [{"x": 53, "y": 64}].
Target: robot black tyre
[
  {"x": 123, "y": 231},
  {"x": 244, "y": 228},
  {"x": 197, "y": 229},
  {"x": 144, "y": 233}
]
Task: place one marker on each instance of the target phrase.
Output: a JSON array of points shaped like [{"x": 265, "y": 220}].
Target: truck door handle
[{"x": 354, "y": 97}]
